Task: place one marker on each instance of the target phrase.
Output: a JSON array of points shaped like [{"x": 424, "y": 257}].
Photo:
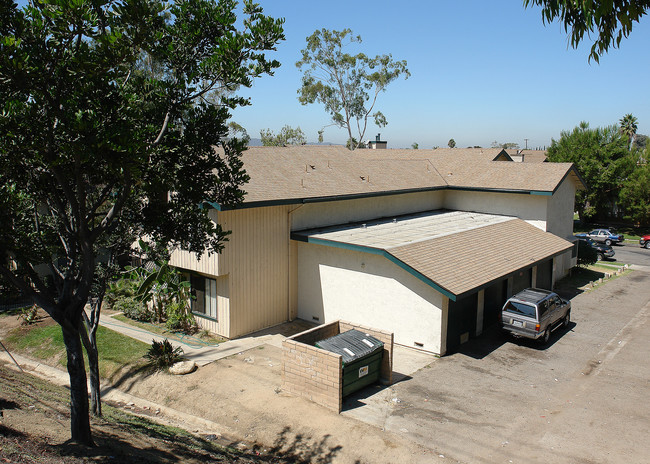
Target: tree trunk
[
  {"x": 90, "y": 343},
  {"x": 79, "y": 417},
  {"x": 88, "y": 334}
]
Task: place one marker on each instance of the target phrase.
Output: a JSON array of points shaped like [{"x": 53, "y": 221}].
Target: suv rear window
[{"x": 522, "y": 309}]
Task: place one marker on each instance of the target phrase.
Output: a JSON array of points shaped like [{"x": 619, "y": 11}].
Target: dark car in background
[
  {"x": 645, "y": 241},
  {"x": 602, "y": 251},
  {"x": 606, "y": 236}
]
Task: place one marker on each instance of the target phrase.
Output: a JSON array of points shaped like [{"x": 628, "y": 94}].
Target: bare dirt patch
[{"x": 34, "y": 427}]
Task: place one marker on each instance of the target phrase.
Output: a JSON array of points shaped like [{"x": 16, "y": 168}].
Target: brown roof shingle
[
  {"x": 467, "y": 260},
  {"x": 308, "y": 172}
]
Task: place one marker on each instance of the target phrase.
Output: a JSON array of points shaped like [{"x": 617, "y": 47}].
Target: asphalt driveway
[{"x": 582, "y": 398}]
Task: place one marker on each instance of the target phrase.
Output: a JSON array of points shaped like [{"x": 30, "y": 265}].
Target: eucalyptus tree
[
  {"x": 287, "y": 136},
  {"x": 94, "y": 145},
  {"x": 347, "y": 85}
]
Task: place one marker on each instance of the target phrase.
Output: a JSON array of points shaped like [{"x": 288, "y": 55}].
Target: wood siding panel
[
  {"x": 186, "y": 260},
  {"x": 257, "y": 261}
]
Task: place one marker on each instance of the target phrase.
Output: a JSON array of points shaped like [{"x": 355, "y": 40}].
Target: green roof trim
[{"x": 375, "y": 251}]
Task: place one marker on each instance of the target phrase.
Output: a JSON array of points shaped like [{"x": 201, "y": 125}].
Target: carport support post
[
  {"x": 480, "y": 305},
  {"x": 533, "y": 278}
]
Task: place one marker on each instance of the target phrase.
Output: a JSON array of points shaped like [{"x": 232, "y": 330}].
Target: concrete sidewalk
[{"x": 202, "y": 355}]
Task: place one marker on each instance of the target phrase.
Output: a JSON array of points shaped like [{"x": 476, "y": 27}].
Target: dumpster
[{"x": 361, "y": 358}]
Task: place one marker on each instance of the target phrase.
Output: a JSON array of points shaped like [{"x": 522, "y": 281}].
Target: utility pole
[{"x": 526, "y": 144}]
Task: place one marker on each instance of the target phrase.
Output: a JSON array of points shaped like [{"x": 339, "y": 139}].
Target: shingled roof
[
  {"x": 311, "y": 173},
  {"x": 453, "y": 251}
]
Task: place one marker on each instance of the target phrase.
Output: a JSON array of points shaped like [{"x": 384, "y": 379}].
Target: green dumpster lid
[{"x": 351, "y": 345}]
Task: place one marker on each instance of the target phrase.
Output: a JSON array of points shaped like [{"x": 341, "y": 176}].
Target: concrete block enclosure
[{"x": 316, "y": 374}]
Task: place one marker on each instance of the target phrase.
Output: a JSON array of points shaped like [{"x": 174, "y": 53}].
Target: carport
[{"x": 435, "y": 278}]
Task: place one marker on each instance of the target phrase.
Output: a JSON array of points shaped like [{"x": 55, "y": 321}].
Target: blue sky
[{"x": 481, "y": 71}]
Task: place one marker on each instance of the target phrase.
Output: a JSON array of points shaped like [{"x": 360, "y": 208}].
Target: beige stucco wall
[
  {"x": 340, "y": 212},
  {"x": 335, "y": 283},
  {"x": 530, "y": 208},
  {"x": 560, "y": 209},
  {"x": 560, "y": 222}
]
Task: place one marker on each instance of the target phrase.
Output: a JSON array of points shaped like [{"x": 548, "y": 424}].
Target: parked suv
[{"x": 535, "y": 313}]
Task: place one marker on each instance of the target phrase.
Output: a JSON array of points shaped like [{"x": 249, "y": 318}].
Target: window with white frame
[{"x": 210, "y": 304}]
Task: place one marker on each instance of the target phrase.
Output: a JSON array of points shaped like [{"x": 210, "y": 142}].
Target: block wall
[{"x": 316, "y": 374}]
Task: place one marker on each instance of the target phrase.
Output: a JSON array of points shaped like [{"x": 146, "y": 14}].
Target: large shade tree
[
  {"x": 602, "y": 158},
  {"x": 110, "y": 114}
]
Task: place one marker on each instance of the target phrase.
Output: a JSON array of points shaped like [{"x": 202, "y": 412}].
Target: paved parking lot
[{"x": 581, "y": 399}]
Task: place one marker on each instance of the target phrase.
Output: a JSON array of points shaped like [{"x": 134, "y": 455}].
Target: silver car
[{"x": 535, "y": 313}]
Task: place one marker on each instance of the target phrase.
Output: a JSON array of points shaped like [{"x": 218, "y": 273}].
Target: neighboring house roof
[
  {"x": 534, "y": 156},
  {"x": 456, "y": 252},
  {"x": 316, "y": 173}
]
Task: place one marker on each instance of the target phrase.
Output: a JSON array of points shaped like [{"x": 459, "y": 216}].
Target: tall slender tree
[
  {"x": 348, "y": 85},
  {"x": 94, "y": 145},
  {"x": 628, "y": 128}
]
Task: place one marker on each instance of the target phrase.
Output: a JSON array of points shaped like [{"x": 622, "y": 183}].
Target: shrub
[
  {"x": 133, "y": 309},
  {"x": 118, "y": 290},
  {"x": 179, "y": 317},
  {"x": 28, "y": 315},
  {"x": 586, "y": 253},
  {"x": 162, "y": 355}
]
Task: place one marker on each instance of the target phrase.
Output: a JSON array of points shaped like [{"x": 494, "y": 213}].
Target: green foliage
[
  {"x": 628, "y": 127},
  {"x": 635, "y": 194},
  {"x": 608, "y": 20},
  {"x": 587, "y": 254},
  {"x": 134, "y": 309},
  {"x": 236, "y": 130},
  {"x": 415, "y": 146},
  {"x": 104, "y": 112},
  {"x": 602, "y": 158},
  {"x": 506, "y": 145},
  {"x": 121, "y": 288},
  {"x": 179, "y": 317},
  {"x": 451, "y": 143},
  {"x": 347, "y": 85},
  {"x": 28, "y": 315},
  {"x": 111, "y": 112},
  {"x": 287, "y": 136},
  {"x": 162, "y": 355}
]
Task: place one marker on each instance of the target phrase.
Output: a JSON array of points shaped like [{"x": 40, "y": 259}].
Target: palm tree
[{"x": 628, "y": 127}]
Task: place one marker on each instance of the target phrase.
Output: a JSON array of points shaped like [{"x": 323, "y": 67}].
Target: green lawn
[
  {"x": 200, "y": 339},
  {"x": 45, "y": 342}
]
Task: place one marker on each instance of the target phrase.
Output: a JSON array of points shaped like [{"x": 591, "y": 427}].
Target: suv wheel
[
  {"x": 567, "y": 319},
  {"x": 547, "y": 336}
]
